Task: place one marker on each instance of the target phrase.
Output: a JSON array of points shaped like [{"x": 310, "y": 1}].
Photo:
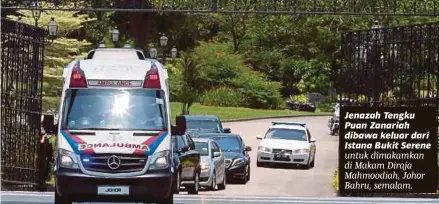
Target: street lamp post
[
  {"x": 36, "y": 12},
  {"x": 174, "y": 53},
  {"x": 153, "y": 53},
  {"x": 163, "y": 43},
  {"x": 52, "y": 27},
  {"x": 115, "y": 35}
]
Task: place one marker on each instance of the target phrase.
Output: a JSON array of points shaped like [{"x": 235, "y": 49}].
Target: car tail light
[
  {"x": 152, "y": 78},
  {"x": 77, "y": 79}
]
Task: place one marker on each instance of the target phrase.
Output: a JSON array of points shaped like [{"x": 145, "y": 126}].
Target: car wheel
[
  {"x": 245, "y": 178},
  {"x": 213, "y": 185},
  {"x": 61, "y": 199},
  {"x": 307, "y": 166},
  {"x": 193, "y": 189},
  {"x": 259, "y": 164},
  {"x": 167, "y": 200},
  {"x": 313, "y": 161},
  {"x": 248, "y": 175},
  {"x": 222, "y": 185},
  {"x": 177, "y": 184}
]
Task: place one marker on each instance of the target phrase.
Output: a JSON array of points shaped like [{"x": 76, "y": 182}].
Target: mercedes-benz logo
[{"x": 113, "y": 162}]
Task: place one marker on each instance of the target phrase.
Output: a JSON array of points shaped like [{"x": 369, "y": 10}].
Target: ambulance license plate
[{"x": 113, "y": 190}]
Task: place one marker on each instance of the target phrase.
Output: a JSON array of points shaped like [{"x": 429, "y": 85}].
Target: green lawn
[{"x": 227, "y": 113}]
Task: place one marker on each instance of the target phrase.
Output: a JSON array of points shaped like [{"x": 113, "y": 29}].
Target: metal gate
[
  {"x": 21, "y": 97},
  {"x": 396, "y": 66}
]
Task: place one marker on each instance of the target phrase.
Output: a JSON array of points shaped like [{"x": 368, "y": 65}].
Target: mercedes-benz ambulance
[{"x": 114, "y": 133}]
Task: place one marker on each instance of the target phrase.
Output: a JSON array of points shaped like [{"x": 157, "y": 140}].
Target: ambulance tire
[
  {"x": 177, "y": 183},
  {"x": 61, "y": 200}
]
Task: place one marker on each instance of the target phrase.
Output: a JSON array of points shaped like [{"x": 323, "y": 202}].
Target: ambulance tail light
[
  {"x": 77, "y": 79},
  {"x": 152, "y": 79}
]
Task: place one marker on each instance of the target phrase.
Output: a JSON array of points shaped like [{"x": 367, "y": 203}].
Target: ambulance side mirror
[
  {"x": 49, "y": 124},
  {"x": 180, "y": 127}
]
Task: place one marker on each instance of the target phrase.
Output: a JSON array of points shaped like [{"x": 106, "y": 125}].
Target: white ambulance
[{"x": 114, "y": 133}]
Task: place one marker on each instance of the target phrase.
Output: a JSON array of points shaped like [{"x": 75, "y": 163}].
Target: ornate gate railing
[
  {"x": 396, "y": 66},
  {"x": 21, "y": 97}
]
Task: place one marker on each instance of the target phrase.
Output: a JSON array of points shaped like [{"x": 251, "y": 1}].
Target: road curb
[{"x": 273, "y": 117}]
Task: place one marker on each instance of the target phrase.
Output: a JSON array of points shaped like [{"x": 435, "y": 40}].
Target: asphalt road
[{"x": 265, "y": 181}]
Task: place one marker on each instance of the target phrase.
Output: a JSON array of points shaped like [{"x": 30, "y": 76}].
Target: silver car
[{"x": 213, "y": 166}]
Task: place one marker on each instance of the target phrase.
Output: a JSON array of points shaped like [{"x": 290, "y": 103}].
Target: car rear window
[{"x": 203, "y": 125}]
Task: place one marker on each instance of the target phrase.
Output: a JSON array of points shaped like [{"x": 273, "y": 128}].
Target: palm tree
[{"x": 192, "y": 83}]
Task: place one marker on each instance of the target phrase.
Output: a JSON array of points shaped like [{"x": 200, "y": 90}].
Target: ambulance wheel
[{"x": 177, "y": 182}]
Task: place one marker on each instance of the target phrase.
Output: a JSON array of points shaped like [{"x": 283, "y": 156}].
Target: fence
[
  {"x": 391, "y": 66},
  {"x": 21, "y": 96}
]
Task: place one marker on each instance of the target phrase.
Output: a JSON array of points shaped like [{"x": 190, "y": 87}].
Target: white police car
[{"x": 287, "y": 142}]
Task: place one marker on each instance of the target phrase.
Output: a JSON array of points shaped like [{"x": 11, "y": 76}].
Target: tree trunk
[
  {"x": 184, "y": 108},
  {"x": 188, "y": 107}
]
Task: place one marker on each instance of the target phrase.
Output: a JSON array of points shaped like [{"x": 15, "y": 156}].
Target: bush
[
  {"x": 223, "y": 96},
  {"x": 259, "y": 92},
  {"x": 219, "y": 65},
  {"x": 222, "y": 68},
  {"x": 300, "y": 98},
  {"x": 175, "y": 81},
  {"x": 326, "y": 107}
]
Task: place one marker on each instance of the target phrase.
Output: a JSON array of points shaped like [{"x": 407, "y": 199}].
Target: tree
[
  {"x": 192, "y": 84},
  {"x": 58, "y": 54}
]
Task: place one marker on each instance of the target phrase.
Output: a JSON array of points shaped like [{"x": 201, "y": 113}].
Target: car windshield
[
  {"x": 202, "y": 148},
  {"x": 203, "y": 125},
  {"x": 286, "y": 134},
  {"x": 115, "y": 109},
  {"x": 228, "y": 144}
]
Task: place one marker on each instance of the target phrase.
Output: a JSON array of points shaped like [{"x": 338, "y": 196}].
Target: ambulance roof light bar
[
  {"x": 152, "y": 78},
  {"x": 77, "y": 78}
]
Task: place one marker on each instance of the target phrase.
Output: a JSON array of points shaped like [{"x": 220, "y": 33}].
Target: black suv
[
  {"x": 187, "y": 164},
  {"x": 235, "y": 153}
]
